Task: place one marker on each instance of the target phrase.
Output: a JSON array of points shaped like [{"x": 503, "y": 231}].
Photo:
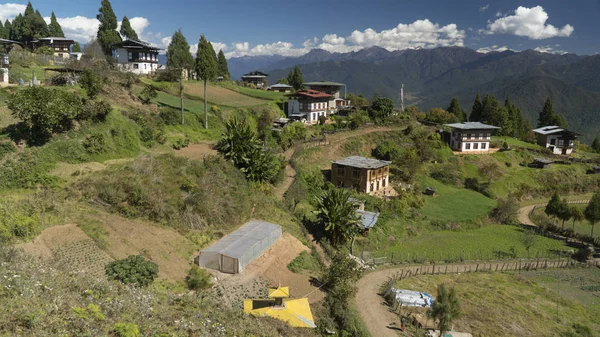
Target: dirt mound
[{"x": 197, "y": 151}]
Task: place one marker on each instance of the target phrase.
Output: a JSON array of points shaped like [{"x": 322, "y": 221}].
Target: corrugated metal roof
[
  {"x": 324, "y": 83},
  {"x": 369, "y": 219},
  {"x": 471, "y": 126},
  {"x": 240, "y": 241},
  {"x": 311, "y": 94},
  {"x": 280, "y": 85},
  {"x": 362, "y": 162}
]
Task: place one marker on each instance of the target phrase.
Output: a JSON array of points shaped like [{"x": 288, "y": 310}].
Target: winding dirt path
[
  {"x": 376, "y": 314},
  {"x": 523, "y": 215}
]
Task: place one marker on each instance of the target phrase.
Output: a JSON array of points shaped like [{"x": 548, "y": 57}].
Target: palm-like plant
[
  {"x": 445, "y": 308},
  {"x": 337, "y": 216}
]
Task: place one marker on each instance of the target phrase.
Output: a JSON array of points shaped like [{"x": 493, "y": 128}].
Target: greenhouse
[{"x": 235, "y": 251}]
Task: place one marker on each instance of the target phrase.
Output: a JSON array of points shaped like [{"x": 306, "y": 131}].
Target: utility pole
[
  {"x": 181, "y": 95},
  {"x": 402, "y": 97}
]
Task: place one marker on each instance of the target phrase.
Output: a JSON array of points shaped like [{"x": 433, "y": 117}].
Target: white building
[
  {"x": 335, "y": 102},
  {"x": 59, "y": 45},
  {"x": 136, "y": 56},
  {"x": 7, "y": 44},
  {"x": 557, "y": 139},
  {"x": 470, "y": 136},
  {"x": 76, "y": 56},
  {"x": 308, "y": 105}
]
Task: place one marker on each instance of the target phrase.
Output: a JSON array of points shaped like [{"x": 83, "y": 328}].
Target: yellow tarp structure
[{"x": 295, "y": 312}]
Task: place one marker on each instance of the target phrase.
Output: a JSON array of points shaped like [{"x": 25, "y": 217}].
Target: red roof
[{"x": 311, "y": 94}]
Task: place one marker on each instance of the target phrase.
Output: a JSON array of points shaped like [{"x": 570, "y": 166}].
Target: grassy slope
[
  {"x": 581, "y": 227},
  {"x": 506, "y": 304}
]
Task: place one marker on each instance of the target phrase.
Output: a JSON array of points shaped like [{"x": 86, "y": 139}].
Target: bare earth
[
  {"x": 271, "y": 268},
  {"x": 197, "y": 151},
  {"x": 523, "y": 215}
]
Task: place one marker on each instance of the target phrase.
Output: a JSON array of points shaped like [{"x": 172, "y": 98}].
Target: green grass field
[
  {"x": 488, "y": 242},
  {"x": 513, "y": 142},
  {"x": 256, "y": 93},
  {"x": 543, "y": 303},
  {"x": 454, "y": 204}
]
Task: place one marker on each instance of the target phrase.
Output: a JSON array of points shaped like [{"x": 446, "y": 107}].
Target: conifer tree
[
  {"x": 206, "y": 67},
  {"x": 76, "y": 48},
  {"x": 179, "y": 59},
  {"x": 107, "y": 32},
  {"x": 7, "y": 29},
  {"x": 2, "y": 35},
  {"x": 477, "y": 111},
  {"x": 54, "y": 28},
  {"x": 592, "y": 211},
  {"x": 39, "y": 26},
  {"x": 127, "y": 31},
  {"x": 223, "y": 69},
  {"x": 295, "y": 78},
  {"x": 456, "y": 110},
  {"x": 596, "y": 144},
  {"x": 548, "y": 117},
  {"x": 16, "y": 31}
]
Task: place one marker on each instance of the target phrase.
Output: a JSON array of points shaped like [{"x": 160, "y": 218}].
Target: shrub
[
  {"x": 179, "y": 143},
  {"x": 91, "y": 82},
  {"x": 94, "y": 143},
  {"x": 198, "y": 279},
  {"x": 148, "y": 94},
  {"x": 583, "y": 254},
  {"x": 388, "y": 150},
  {"x": 59, "y": 80},
  {"x": 126, "y": 330},
  {"x": 95, "y": 111},
  {"x": 170, "y": 116},
  {"x": 506, "y": 211},
  {"x": 168, "y": 75},
  {"x": 322, "y": 120},
  {"x": 5, "y": 148},
  {"x": 129, "y": 80},
  {"x": 132, "y": 270}
]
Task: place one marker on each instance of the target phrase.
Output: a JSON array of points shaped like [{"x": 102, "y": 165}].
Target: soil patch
[{"x": 197, "y": 151}]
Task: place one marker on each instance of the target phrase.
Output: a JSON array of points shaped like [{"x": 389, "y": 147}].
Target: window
[
  {"x": 483, "y": 146},
  {"x": 481, "y": 136},
  {"x": 383, "y": 182},
  {"x": 553, "y": 141},
  {"x": 341, "y": 171},
  {"x": 355, "y": 173},
  {"x": 372, "y": 187},
  {"x": 136, "y": 66},
  {"x": 130, "y": 56},
  {"x": 467, "y": 146},
  {"x": 489, "y": 135},
  {"x": 476, "y": 146}
]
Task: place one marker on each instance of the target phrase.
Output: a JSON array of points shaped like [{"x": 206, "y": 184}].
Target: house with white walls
[
  {"x": 556, "y": 139},
  {"x": 470, "y": 136},
  {"x": 60, "y": 46},
  {"x": 336, "y": 101},
  {"x": 307, "y": 105},
  {"x": 135, "y": 56}
]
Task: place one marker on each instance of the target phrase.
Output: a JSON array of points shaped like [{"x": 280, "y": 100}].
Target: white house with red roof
[{"x": 308, "y": 105}]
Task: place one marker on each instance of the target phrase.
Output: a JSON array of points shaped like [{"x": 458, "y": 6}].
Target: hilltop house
[
  {"x": 135, "y": 56},
  {"x": 557, "y": 139},
  {"x": 307, "y": 105},
  {"x": 280, "y": 87},
  {"x": 59, "y": 45},
  {"x": 335, "y": 103},
  {"x": 255, "y": 77},
  {"x": 366, "y": 175},
  {"x": 470, "y": 136}
]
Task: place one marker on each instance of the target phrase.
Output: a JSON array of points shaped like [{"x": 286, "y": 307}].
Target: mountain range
[{"x": 431, "y": 77}]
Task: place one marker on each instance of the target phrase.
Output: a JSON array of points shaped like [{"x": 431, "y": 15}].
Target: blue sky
[{"x": 268, "y": 27}]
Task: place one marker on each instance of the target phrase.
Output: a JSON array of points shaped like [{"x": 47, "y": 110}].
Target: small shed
[
  {"x": 429, "y": 191},
  {"x": 232, "y": 253},
  {"x": 368, "y": 219},
  {"x": 541, "y": 163}
]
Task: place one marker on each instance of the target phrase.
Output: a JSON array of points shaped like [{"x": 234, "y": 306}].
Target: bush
[
  {"x": 5, "y": 148},
  {"x": 170, "y": 116},
  {"x": 148, "y": 94},
  {"x": 168, "y": 75},
  {"x": 179, "y": 143},
  {"x": 126, "y": 330},
  {"x": 506, "y": 211},
  {"x": 583, "y": 254},
  {"x": 59, "y": 80},
  {"x": 388, "y": 150},
  {"x": 322, "y": 120},
  {"x": 91, "y": 82},
  {"x": 94, "y": 143},
  {"x": 132, "y": 270},
  {"x": 198, "y": 279},
  {"x": 152, "y": 127},
  {"x": 95, "y": 111}
]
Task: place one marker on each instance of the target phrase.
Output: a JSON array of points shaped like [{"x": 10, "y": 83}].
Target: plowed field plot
[{"x": 221, "y": 96}]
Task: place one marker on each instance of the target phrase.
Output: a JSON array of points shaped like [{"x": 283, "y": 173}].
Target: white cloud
[
  {"x": 333, "y": 39},
  {"x": 486, "y": 50},
  {"x": 550, "y": 49},
  {"x": 484, "y": 8},
  {"x": 78, "y": 28},
  {"x": 219, "y": 46},
  {"x": 10, "y": 11},
  {"x": 530, "y": 23}
]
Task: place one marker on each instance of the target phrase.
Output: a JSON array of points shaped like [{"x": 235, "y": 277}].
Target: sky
[{"x": 269, "y": 27}]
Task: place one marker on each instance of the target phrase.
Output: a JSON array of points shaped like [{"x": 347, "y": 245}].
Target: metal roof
[
  {"x": 255, "y": 73},
  {"x": 129, "y": 43},
  {"x": 324, "y": 83},
  {"x": 280, "y": 85},
  {"x": 9, "y": 41},
  {"x": 362, "y": 162},
  {"x": 543, "y": 160},
  {"x": 471, "y": 126},
  {"x": 54, "y": 38},
  {"x": 369, "y": 219},
  {"x": 310, "y": 94},
  {"x": 240, "y": 241}
]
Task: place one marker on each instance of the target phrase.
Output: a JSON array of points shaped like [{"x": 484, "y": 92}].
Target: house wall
[
  {"x": 4, "y": 75},
  {"x": 362, "y": 179},
  {"x": 140, "y": 68},
  {"x": 470, "y": 141},
  {"x": 555, "y": 143}
]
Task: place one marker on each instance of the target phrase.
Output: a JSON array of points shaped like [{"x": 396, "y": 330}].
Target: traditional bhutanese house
[
  {"x": 137, "y": 57},
  {"x": 59, "y": 45},
  {"x": 470, "y": 136},
  {"x": 366, "y": 175},
  {"x": 557, "y": 139},
  {"x": 295, "y": 312},
  {"x": 257, "y": 78},
  {"x": 336, "y": 102},
  {"x": 280, "y": 87},
  {"x": 307, "y": 105}
]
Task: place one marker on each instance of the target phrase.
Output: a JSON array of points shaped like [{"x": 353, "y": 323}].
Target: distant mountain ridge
[{"x": 431, "y": 77}]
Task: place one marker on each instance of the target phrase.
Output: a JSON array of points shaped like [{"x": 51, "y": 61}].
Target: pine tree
[
  {"x": 2, "y": 34},
  {"x": 16, "y": 31},
  {"x": 206, "y": 67},
  {"x": 127, "y": 31},
  {"x": 7, "y": 29},
  {"x": 107, "y": 32},
  {"x": 54, "y": 28},
  {"x": 553, "y": 207},
  {"x": 39, "y": 26},
  {"x": 76, "y": 48},
  {"x": 547, "y": 114},
  {"x": 494, "y": 114},
  {"x": 592, "y": 211},
  {"x": 477, "y": 111},
  {"x": 179, "y": 59},
  {"x": 596, "y": 144},
  {"x": 456, "y": 110},
  {"x": 223, "y": 69},
  {"x": 295, "y": 78}
]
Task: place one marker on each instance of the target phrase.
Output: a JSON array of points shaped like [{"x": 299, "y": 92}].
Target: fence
[{"x": 38, "y": 58}]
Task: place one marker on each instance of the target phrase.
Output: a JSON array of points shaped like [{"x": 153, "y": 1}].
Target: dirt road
[
  {"x": 376, "y": 314},
  {"x": 523, "y": 215}
]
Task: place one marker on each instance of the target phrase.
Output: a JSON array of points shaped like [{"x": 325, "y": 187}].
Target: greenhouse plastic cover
[
  {"x": 409, "y": 298},
  {"x": 235, "y": 251}
]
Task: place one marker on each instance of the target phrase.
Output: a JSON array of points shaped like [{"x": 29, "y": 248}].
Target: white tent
[{"x": 235, "y": 251}]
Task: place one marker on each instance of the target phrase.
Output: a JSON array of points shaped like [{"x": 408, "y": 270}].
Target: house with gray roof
[
  {"x": 366, "y": 175},
  {"x": 470, "y": 136},
  {"x": 556, "y": 139},
  {"x": 336, "y": 101}
]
